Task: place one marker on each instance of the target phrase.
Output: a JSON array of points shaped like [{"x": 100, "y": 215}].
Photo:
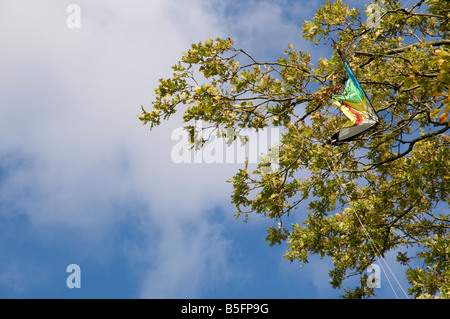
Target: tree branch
[
  {"x": 411, "y": 146},
  {"x": 398, "y": 50}
]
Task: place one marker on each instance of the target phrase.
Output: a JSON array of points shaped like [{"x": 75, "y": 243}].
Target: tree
[{"x": 388, "y": 190}]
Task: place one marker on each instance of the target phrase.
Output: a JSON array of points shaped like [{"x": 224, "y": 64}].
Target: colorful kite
[{"x": 355, "y": 104}]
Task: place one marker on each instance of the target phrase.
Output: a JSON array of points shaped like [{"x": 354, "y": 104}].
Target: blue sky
[{"x": 82, "y": 182}]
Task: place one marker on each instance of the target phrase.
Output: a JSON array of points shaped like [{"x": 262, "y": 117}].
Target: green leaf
[{"x": 435, "y": 112}]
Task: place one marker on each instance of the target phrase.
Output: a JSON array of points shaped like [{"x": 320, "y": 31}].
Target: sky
[{"x": 83, "y": 182}]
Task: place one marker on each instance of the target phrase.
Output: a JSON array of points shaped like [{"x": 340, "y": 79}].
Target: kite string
[
  {"x": 370, "y": 240},
  {"x": 378, "y": 254},
  {"x": 365, "y": 231}
]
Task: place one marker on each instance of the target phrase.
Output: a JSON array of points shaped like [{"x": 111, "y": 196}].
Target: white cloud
[
  {"x": 68, "y": 105},
  {"x": 192, "y": 255},
  {"x": 17, "y": 276}
]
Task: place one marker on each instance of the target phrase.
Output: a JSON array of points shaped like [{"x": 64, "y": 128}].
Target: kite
[{"x": 356, "y": 106}]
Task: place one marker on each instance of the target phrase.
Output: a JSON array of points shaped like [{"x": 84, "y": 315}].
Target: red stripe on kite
[{"x": 359, "y": 119}]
